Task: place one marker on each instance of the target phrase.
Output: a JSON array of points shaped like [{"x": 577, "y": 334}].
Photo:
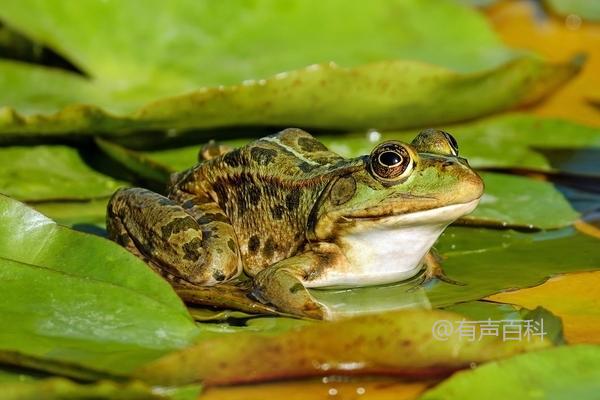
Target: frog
[{"x": 291, "y": 215}]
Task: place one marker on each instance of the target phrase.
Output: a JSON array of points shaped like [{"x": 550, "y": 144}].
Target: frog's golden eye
[{"x": 391, "y": 161}]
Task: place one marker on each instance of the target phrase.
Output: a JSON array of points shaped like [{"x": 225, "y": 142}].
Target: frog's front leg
[
  {"x": 434, "y": 270},
  {"x": 192, "y": 240},
  {"x": 283, "y": 283}
]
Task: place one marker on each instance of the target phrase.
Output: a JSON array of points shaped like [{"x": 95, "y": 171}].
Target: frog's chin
[
  {"x": 390, "y": 249},
  {"x": 447, "y": 214}
]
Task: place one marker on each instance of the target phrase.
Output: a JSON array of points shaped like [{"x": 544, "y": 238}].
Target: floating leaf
[
  {"x": 491, "y": 261},
  {"x": 521, "y": 201},
  {"x": 103, "y": 39},
  {"x": 561, "y": 372},
  {"x": 399, "y": 343},
  {"x": 201, "y": 54},
  {"x": 50, "y": 173},
  {"x": 574, "y": 297},
  {"x": 76, "y": 214},
  {"x": 387, "y": 95},
  {"x": 94, "y": 304}
]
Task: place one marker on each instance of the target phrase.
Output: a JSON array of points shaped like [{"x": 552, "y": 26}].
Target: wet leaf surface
[{"x": 561, "y": 372}]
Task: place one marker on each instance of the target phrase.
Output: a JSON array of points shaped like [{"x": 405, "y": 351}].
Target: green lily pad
[
  {"x": 201, "y": 50},
  {"x": 233, "y": 86},
  {"x": 94, "y": 304},
  {"x": 50, "y": 173},
  {"x": 429, "y": 95},
  {"x": 490, "y": 261},
  {"x": 519, "y": 201},
  {"x": 399, "y": 342},
  {"x": 76, "y": 214},
  {"x": 566, "y": 372}
]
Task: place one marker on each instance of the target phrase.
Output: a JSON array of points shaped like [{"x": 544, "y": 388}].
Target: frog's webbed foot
[
  {"x": 281, "y": 285},
  {"x": 433, "y": 270},
  {"x": 212, "y": 150}
]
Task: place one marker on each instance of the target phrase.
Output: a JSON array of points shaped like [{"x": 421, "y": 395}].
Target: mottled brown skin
[{"x": 274, "y": 209}]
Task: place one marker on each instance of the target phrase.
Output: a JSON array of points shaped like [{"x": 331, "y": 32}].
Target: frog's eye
[
  {"x": 390, "y": 161},
  {"x": 452, "y": 142},
  {"x": 437, "y": 142}
]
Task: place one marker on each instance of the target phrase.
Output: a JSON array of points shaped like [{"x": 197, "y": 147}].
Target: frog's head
[{"x": 403, "y": 195}]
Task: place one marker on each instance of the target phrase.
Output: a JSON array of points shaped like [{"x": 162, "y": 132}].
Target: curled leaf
[{"x": 398, "y": 343}]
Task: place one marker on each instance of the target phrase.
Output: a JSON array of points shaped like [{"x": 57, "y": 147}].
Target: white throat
[{"x": 393, "y": 249}]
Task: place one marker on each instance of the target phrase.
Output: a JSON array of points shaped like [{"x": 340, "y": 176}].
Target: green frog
[{"x": 292, "y": 215}]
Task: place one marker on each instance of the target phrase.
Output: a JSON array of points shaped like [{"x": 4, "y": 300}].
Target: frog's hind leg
[{"x": 193, "y": 241}]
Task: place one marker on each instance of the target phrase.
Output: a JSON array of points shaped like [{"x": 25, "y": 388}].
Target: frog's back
[
  {"x": 267, "y": 189},
  {"x": 291, "y": 155}
]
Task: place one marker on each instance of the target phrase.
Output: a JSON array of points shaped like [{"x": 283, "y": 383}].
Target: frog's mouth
[{"x": 440, "y": 215}]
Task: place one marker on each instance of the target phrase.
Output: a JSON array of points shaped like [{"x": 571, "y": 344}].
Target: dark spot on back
[
  {"x": 253, "y": 194},
  {"x": 311, "y": 145},
  {"x": 269, "y": 248},
  {"x": 277, "y": 212},
  {"x": 253, "y": 244},
  {"x": 292, "y": 200},
  {"x": 262, "y": 156},
  {"x": 234, "y": 158},
  {"x": 306, "y": 167}
]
